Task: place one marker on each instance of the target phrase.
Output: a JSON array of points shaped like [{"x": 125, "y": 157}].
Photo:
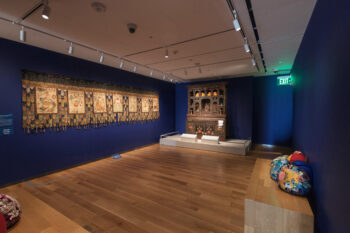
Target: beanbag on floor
[
  {"x": 10, "y": 209},
  {"x": 2, "y": 224},
  {"x": 277, "y": 159},
  {"x": 276, "y": 165},
  {"x": 296, "y": 156},
  {"x": 305, "y": 167},
  {"x": 293, "y": 180}
]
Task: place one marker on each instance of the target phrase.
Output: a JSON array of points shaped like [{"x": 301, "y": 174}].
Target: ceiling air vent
[{"x": 98, "y": 7}]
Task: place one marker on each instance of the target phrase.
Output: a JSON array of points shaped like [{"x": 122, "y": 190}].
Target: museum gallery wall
[
  {"x": 257, "y": 109},
  {"x": 46, "y": 150},
  {"x": 56, "y": 102}
]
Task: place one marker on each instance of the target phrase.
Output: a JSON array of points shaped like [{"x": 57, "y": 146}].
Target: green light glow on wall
[{"x": 285, "y": 80}]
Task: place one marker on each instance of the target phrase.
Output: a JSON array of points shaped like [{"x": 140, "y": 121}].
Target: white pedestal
[
  {"x": 210, "y": 139},
  {"x": 188, "y": 137}
]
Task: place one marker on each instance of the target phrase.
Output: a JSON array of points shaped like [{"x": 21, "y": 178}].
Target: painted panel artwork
[
  {"x": 155, "y": 105},
  {"x": 56, "y": 102},
  {"x": 46, "y": 100},
  {"x": 145, "y": 104},
  {"x": 132, "y": 104},
  {"x": 76, "y": 102},
  {"x": 100, "y": 102},
  {"x": 117, "y": 103}
]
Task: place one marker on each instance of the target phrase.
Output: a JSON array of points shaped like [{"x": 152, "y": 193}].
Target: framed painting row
[
  {"x": 46, "y": 102},
  {"x": 57, "y": 102}
]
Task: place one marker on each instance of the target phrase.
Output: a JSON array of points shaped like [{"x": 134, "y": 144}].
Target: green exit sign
[{"x": 284, "y": 80}]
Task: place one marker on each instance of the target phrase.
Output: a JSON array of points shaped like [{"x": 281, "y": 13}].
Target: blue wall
[
  {"x": 273, "y": 112},
  {"x": 239, "y": 107},
  {"x": 322, "y": 111},
  {"x": 24, "y": 156},
  {"x": 257, "y": 108}
]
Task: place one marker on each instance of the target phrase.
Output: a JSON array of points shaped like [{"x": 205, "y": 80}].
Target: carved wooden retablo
[{"x": 207, "y": 110}]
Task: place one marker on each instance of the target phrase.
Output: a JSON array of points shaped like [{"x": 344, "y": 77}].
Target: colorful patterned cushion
[
  {"x": 276, "y": 165},
  {"x": 277, "y": 159},
  {"x": 10, "y": 209},
  {"x": 296, "y": 156},
  {"x": 304, "y": 166},
  {"x": 294, "y": 180}
]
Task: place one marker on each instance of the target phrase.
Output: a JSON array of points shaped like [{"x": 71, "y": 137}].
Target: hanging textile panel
[{"x": 56, "y": 102}]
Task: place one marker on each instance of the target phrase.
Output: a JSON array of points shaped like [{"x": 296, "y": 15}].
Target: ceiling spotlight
[
  {"x": 163, "y": 76},
  {"x": 46, "y": 10},
  {"x": 171, "y": 80},
  {"x": 166, "y": 53},
  {"x": 70, "y": 49},
  {"x": 101, "y": 58},
  {"x": 151, "y": 73},
  {"x": 134, "y": 68},
  {"x": 253, "y": 61},
  {"x": 235, "y": 21},
  {"x": 246, "y": 46},
  {"x": 22, "y": 35},
  {"x": 121, "y": 63}
]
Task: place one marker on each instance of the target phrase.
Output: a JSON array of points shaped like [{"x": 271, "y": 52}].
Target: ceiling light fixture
[
  {"x": 22, "y": 35},
  {"x": 101, "y": 58},
  {"x": 236, "y": 22},
  {"x": 163, "y": 76},
  {"x": 135, "y": 68},
  {"x": 70, "y": 49},
  {"x": 246, "y": 45},
  {"x": 151, "y": 73},
  {"x": 166, "y": 53},
  {"x": 46, "y": 10},
  {"x": 253, "y": 61}
]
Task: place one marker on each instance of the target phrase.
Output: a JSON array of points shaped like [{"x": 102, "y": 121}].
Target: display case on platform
[{"x": 207, "y": 110}]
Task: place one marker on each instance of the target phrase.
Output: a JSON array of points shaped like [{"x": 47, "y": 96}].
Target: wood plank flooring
[{"x": 156, "y": 189}]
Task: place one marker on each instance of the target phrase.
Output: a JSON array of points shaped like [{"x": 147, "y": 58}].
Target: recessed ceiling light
[
  {"x": 253, "y": 61},
  {"x": 101, "y": 58},
  {"x": 166, "y": 53},
  {"x": 46, "y": 10},
  {"x": 22, "y": 34},
  {"x": 70, "y": 49},
  {"x": 246, "y": 46},
  {"x": 236, "y": 22}
]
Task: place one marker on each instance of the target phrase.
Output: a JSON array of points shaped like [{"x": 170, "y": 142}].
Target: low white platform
[
  {"x": 210, "y": 139},
  {"x": 188, "y": 137},
  {"x": 238, "y": 147}
]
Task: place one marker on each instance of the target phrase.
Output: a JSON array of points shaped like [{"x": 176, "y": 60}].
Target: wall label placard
[
  {"x": 56, "y": 102},
  {"x": 6, "y": 125}
]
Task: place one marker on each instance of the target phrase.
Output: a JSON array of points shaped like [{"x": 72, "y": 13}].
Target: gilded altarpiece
[{"x": 56, "y": 102}]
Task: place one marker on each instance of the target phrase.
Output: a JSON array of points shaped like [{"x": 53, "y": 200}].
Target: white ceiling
[{"x": 197, "y": 33}]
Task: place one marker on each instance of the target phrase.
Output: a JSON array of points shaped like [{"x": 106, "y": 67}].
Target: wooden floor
[{"x": 156, "y": 189}]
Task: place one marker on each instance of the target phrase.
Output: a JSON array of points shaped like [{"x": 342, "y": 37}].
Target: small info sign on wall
[{"x": 6, "y": 124}]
